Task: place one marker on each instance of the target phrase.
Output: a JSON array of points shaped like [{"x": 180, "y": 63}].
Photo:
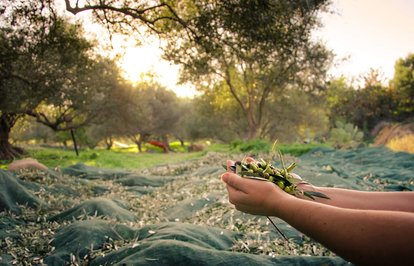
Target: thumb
[{"x": 234, "y": 181}]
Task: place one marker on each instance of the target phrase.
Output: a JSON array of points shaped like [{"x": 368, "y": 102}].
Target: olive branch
[{"x": 282, "y": 177}]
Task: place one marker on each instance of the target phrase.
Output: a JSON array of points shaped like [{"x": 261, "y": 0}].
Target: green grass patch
[
  {"x": 119, "y": 158},
  {"x": 258, "y": 145},
  {"x": 218, "y": 147},
  {"x": 129, "y": 158},
  {"x": 297, "y": 149}
]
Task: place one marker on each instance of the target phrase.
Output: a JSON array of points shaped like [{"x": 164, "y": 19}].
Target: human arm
[
  {"x": 347, "y": 198},
  {"x": 360, "y": 236},
  {"x": 365, "y": 200}
]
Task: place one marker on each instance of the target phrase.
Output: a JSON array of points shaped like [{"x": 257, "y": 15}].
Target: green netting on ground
[
  {"x": 13, "y": 194},
  {"x": 132, "y": 180},
  {"x": 174, "y": 252},
  {"x": 83, "y": 237},
  {"x": 96, "y": 207},
  {"x": 172, "y": 215},
  {"x": 90, "y": 172},
  {"x": 364, "y": 168}
]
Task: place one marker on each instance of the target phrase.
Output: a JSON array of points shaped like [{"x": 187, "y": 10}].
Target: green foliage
[
  {"x": 85, "y": 139},
  {"x": 403, "y": 87},
  {"x": 235, "y": 143},
  {"x": 346, "y": 135},
  {"x": 364, "y": 107},
  {"x": 294, "y": 149},
  {"x": 149, "y": 111},
  {"x": 177, "y": 147},
  {"x": 295, "y": 116},
  {"x": 297, "y": 149},
  {"x": 218, "y": 147},
  {"x": 214, "y": 116},
  {"x": 255, "y": 146},
  {"x": 49, "y": 71},
  {"x": 248, "y": 52},
  {"x": 28, "y": 130}
]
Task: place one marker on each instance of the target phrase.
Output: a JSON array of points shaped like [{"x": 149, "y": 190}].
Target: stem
[{"x": 278, "y": 230}]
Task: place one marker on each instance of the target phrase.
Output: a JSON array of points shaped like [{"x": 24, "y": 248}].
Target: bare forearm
[
  {"x": 366, "y": 200},
  {"x": 361, "y": 236}
]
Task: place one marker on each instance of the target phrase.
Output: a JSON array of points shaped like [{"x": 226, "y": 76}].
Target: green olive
[
  {"x": 288, "y": 189},
  {"x": 254, "y": 167}
]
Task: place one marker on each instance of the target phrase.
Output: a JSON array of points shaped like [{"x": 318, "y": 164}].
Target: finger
[
  {"x": 229, "y": 164},
  {"x": 237, "y": 182},
  {"x": 250, "y": 160},
  {"x": 296, "y": 176},
  {"x": 237, "y": 196}
]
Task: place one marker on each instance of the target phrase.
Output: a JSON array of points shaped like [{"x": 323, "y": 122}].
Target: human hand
[{"x": 254, "y": 196}]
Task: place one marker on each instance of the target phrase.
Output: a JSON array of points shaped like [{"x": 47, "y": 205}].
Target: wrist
[{"x": 284, "y": 204}]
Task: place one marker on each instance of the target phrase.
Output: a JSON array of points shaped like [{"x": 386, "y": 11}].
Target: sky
[{"x": 370, "y": 34}]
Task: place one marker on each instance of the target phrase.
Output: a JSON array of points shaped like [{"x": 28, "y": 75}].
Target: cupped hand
[{"x": 254, "y": 196}]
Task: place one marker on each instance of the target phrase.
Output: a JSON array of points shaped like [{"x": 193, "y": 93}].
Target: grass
[
  {"x": 257, "y": 146},
  {"x": 130, "y": 158},
  {"x": 119, "y": 158},
  {"x": 297, "y": 149},
  {"x": 405, "y": 143}
]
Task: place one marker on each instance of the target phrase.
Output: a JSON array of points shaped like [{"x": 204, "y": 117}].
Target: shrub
[{"x": 345, "y": 135}]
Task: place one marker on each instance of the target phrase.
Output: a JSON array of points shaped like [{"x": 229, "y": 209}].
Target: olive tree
[
  {"x": 48, "y": 71},
  {"x": 402, "y": 85},
  {"x": 254, "y": 49}
]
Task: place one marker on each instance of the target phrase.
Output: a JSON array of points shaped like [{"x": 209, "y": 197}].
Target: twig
[{"x": 280, "y": 232}]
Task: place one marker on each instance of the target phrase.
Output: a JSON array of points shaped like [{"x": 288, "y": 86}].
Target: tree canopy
[
  {"x": 254, "y": 49},
  {"x": 260, "y": 72},
  {"x": 48, "y": 71},
  {"x": 403, "y": 86}
]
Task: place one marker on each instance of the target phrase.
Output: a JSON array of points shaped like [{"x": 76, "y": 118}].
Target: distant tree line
[{"x": 367, "y": 105}]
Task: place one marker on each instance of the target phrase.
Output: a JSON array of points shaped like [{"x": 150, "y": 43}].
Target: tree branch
[
  {"x": 135, "y": 13},
  {"x": 233, "y": 90}
]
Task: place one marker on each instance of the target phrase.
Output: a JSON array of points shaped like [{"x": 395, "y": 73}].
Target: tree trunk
[
  {"x": 253, "y": 127},
  {"x": 139, "y": 145},
  {"x": 109, "y": 143},
  {"x": 8, "y": 151},
  {"x": 75, "y": 145},
  {"x": 65, "y": 145},
  {"x": 180, "y": 139},
  {"x": 166, "y": 144}
]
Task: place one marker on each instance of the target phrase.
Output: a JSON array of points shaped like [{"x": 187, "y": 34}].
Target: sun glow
[
  {"x": 139, "y": 62},
  {"x": 357, "y": 31}
]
